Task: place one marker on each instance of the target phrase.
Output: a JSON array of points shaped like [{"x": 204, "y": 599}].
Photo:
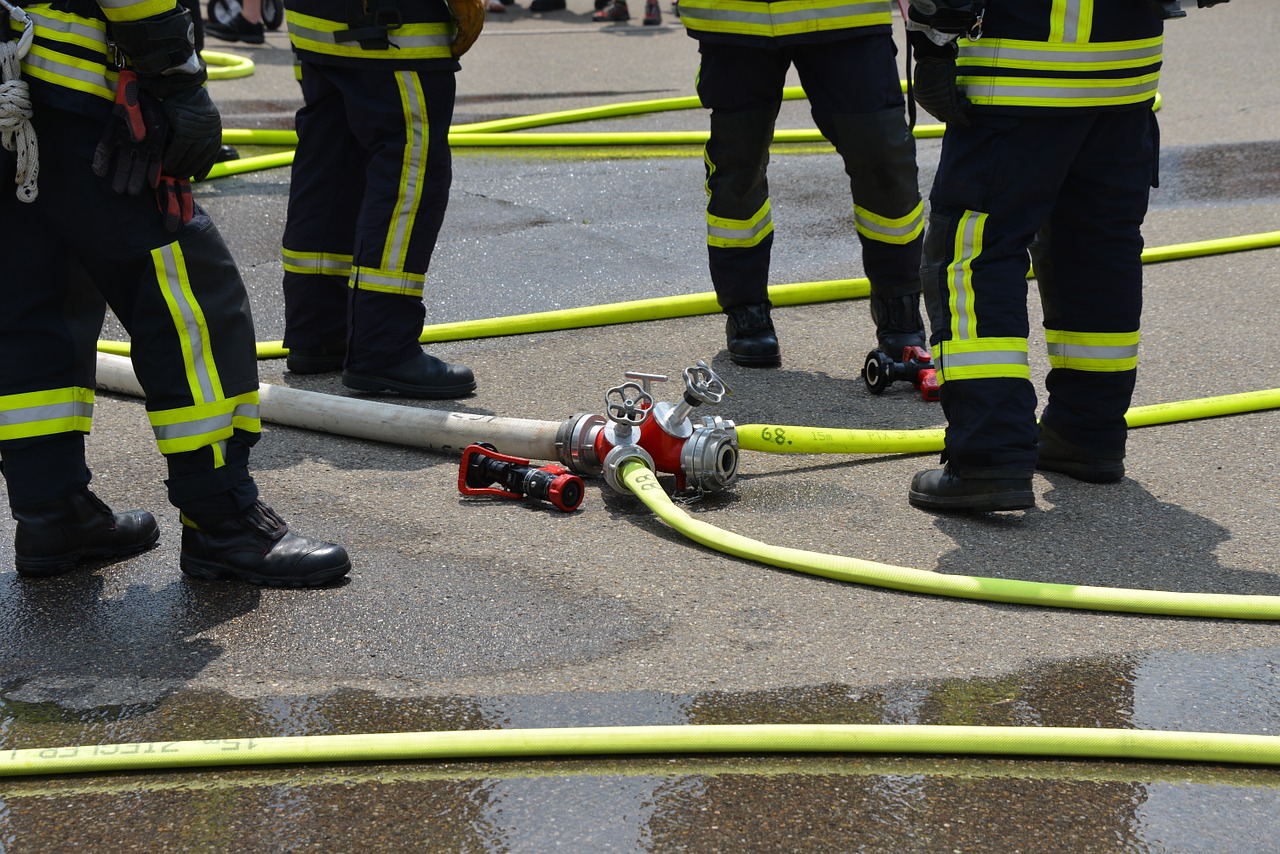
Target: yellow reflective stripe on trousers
[
  {"x": 45, "y": 413},
  {"x": 190, "y": 428},
  {"x": 968, "y": 245},
  {"x": 982, "y": 358},
  {"x": 885, "y": 229},
  {"x": 411, "y": 41},
  {"x": 396, "y": 282},
  {"x": 740, "y": 233},
  {"x": 316, "y": 263},
  {"x": 413, "y": 166},
  {"x": 193, "y": 341},
  {"x": 1103, "y": 352},
  {"x": 781, "y": 18}
]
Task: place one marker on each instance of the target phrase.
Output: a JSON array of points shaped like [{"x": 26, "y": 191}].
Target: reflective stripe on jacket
[
  {"x": 780, "y": 22},
  {"x": 70, "y": 65},
  {"x": 334, "y": 32},
  {"x": 1092, "y": 54}
]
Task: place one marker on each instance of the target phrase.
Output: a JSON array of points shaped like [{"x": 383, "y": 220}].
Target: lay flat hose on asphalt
[
  {"x": 1053, "y": 742},
  {"x": 797, "y": 439},
  {"x": 693, "y": 305},
  {"x": 641, "y": 481}
]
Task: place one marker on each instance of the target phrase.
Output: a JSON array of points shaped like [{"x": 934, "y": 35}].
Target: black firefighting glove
[
  {"x": 131, "y": 152},
  {"x": 161, "y": 50},
  {"x": 934, "y": 85},
  {"x": 193, "y": 133}
]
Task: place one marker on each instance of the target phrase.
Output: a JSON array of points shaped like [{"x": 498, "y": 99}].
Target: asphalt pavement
[{"x": 483, "y": 613}]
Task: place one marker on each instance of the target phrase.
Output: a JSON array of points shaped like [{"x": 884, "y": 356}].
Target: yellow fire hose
[
  {"x": 1054, "y": 742},
  {"x": 646, "y": 487},
  {"x": 801, "y": 738},
  {"x": 796, "y": 439},
  {"x": 693, "y": 305}
]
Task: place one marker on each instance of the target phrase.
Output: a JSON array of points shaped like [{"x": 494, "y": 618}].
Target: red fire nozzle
[{"x": 482, "y": 466}]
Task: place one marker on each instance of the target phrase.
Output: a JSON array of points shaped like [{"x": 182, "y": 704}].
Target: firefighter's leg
[
  {"x": 48, "y": 330},
  {"x": 1088, "y": 263},
  {"x": 325, "y": 188},
  {"x": 997, "y": 181},
  {"x": 192, "y": 335},
  {"x": 401, "y": 121},
  {"x": 857, "y": 103},
  {"x": 187, "y": 313},
  {"x": 743, "y": 89}
]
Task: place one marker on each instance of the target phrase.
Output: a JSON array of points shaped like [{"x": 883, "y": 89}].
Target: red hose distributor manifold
[{"x": 702, "y": 456}]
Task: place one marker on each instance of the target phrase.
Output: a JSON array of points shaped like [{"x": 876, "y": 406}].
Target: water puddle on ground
[{"x": 700, "y": 802}]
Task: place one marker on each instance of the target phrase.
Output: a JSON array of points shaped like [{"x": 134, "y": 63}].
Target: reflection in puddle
[{"x": 658, "y": 803}]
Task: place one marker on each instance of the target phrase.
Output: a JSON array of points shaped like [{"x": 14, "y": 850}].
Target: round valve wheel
[
  {"x": 628, "y": 404},
  {"x": 702, "y": 382}
]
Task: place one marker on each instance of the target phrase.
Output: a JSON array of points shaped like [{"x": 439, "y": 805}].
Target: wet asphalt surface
[{"x": 478, "y": 614}]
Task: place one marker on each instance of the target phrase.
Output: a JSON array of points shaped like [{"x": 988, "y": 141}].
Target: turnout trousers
[
  {"x": 181, "y": 299},
  {"x": 370, "y": 186},
  {"x": 856, "y": 101},
  {"x": 1071, "y": 190}
]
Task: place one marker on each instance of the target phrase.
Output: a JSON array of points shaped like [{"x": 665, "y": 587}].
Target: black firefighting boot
[
  {"x": 316, "y": 360},
  {"x": 751, "y": 338},
  {"x": 1057, "y": 454},
  {"x": 420, "y": 376},
  {"x": 898, "y": 324},
  {"x": 57, "y": 537},
  {"x": 941, "y": 490},
  {"x": 256, "y": 546}
]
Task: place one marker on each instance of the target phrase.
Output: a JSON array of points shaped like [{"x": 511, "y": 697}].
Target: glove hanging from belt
[
  {"x": 933, "y": 26},
  {"x": 164, "y": 129}
]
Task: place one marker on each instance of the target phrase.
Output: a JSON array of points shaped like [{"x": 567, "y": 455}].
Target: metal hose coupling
[
  {"x": 614, "y": 460},
  {"x": 709, "y": 458}
]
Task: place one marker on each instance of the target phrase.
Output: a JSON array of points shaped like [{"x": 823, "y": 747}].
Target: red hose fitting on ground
[{"x": 483, "y": 466}]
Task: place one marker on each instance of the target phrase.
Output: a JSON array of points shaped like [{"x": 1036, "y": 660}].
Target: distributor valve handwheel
[
  {"x": 628, "y": 404},
  {"x": 702, "y": 382}
]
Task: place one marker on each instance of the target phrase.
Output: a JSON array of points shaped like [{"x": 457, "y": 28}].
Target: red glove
[
  {"x": 173, "y": 196},
  {"x": 132, "y": 146}
]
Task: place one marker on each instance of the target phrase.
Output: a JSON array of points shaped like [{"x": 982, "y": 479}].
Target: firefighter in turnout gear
[
  {"x": 1050, "y": 152},
  {"x": 123, "y": 122},
  {"x": 846, "y": 60},
  {"x": 370, "y": 186}
]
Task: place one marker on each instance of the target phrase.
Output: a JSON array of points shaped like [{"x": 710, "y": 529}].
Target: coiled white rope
[{"x": 16, "y": 133}]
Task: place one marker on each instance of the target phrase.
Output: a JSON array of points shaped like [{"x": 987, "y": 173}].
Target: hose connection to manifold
[{"x": 702, "y": 453}]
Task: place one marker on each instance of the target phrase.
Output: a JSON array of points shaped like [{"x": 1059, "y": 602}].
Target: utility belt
[{"x": 369, "y": 22}]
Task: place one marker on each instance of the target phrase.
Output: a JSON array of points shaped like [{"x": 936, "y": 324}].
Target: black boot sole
[
  {"x": 989, "y": 502},
  {"x": 768, "y": 361},
  {"x": 207, "y": 570},
  {"x": 1089, "y": 472},
  {"x": 317, "y": 365},
  {"x": 366, "y": 382},
  {"x": 50, "y": 567}
]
